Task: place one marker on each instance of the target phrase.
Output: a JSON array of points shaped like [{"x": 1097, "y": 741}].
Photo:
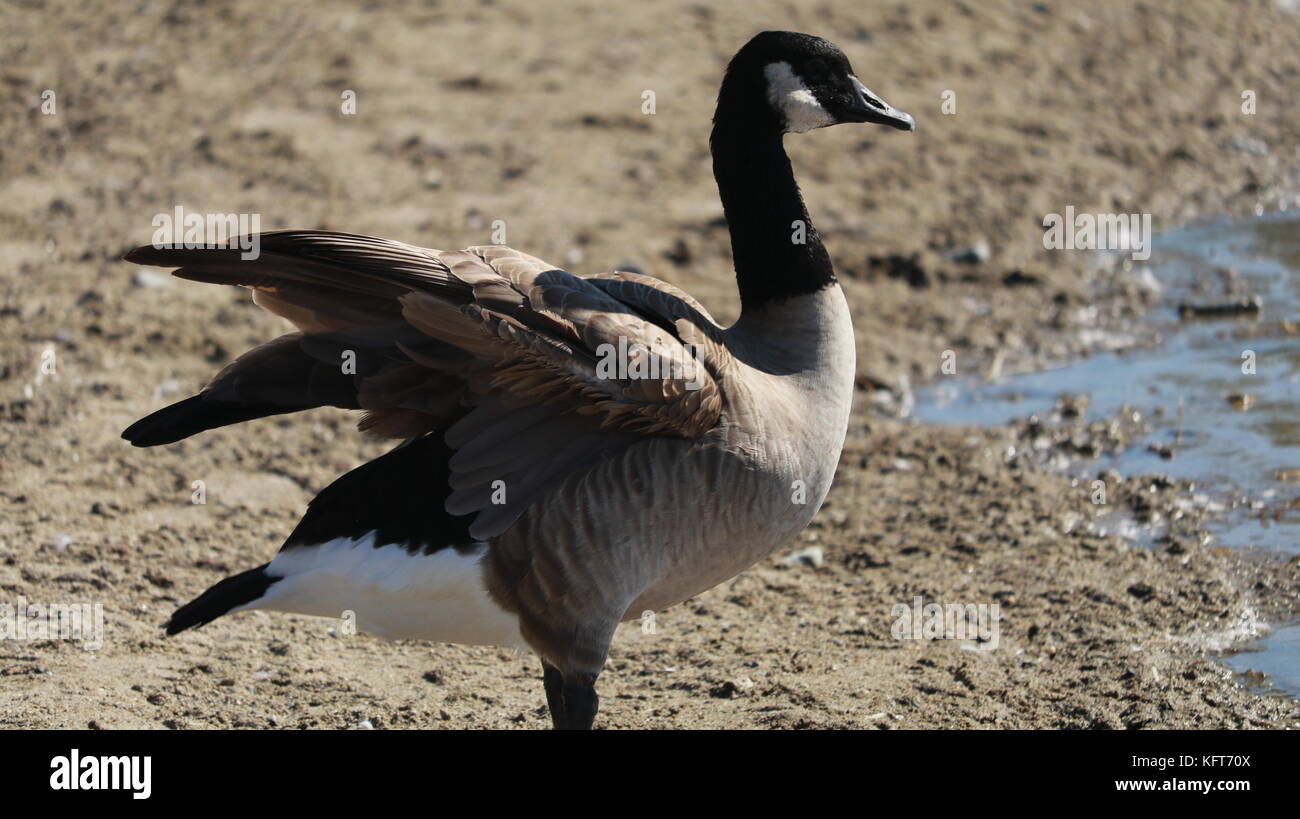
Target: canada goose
[{"x": 539, "y": 497}]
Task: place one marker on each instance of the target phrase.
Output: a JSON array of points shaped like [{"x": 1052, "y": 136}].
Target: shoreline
[{"x": 1269, "y": 567}]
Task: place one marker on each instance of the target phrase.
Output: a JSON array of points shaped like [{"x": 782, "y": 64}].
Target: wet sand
[{"x": 469, "y": 113}]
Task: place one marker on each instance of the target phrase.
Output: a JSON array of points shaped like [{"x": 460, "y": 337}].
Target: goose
[{"x": 540, "y": 495}]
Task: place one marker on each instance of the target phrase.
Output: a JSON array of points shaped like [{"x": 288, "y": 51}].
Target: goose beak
[{"x": 867, "y": 107}]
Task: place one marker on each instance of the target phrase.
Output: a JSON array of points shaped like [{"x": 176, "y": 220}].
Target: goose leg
[
  {"x": 580, "y": 704},
  {"x": 554, "y": 682},
  {"x": 572, "y": 700}
]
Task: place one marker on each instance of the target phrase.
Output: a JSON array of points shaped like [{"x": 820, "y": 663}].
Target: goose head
[{"x": 797, "y": 82}]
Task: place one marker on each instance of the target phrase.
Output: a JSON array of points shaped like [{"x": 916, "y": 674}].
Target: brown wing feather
[{"x": 516, "y": 349}]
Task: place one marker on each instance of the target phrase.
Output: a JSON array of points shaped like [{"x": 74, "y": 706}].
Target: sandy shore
[{"x": 469, "y": 113}]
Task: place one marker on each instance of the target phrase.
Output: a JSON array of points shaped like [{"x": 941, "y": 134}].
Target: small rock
[
  {"x": 1165, "y": 451},
  {"x": 1242, "y": 401},
  {"x": 680, "y": 253},
  {"x": 811, "y": 556},
  {"x": 977, "y": 253},
  {"x": 1142, "y": 591},
  {"x": 1019, "y": 278},
  {"x": 732, "y": 688},
  {"x": 897, "y": 266},
  {"x": 1247, "y": 145},
  {"x": 1241, "y": 307},
  {"x": 1073, "y": 406},
  {"x": 150, "y": 280}
]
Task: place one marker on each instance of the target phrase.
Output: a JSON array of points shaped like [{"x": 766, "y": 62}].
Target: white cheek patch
[{"x": 791, "y": 97}]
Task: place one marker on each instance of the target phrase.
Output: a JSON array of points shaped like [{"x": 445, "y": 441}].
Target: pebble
[
  {"x": 1244, "y": 306},
  {"x": 1247, "y": 145},
  {"x": 1242, "y": 401},
  {"x": 150, "y": 280},
  {"x": 812, "y": 556},
  {"x": 977, "y": 253}
]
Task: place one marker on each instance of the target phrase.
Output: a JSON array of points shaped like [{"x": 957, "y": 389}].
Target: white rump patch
[
  {"x": 393, "y": 593},
  {"x": 791, "y": 97}
]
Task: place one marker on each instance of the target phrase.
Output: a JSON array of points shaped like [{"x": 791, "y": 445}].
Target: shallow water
[
  {"x": 1191, "y": 387},
  {"x": 1276, "y": 656}
]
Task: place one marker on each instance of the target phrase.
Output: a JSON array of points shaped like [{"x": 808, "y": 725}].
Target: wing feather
[{"x": 529, "y": 370}]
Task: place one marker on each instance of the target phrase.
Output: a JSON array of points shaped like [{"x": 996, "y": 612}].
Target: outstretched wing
[{"x": 528, "y": 370}]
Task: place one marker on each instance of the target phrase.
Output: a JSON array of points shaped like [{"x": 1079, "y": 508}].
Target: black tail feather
[
  {"x": 196, "y": 414},
  {"x": 237, "y": 590}
]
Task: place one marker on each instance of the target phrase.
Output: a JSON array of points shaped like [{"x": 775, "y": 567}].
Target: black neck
[{"x": 764, "y": 210}]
